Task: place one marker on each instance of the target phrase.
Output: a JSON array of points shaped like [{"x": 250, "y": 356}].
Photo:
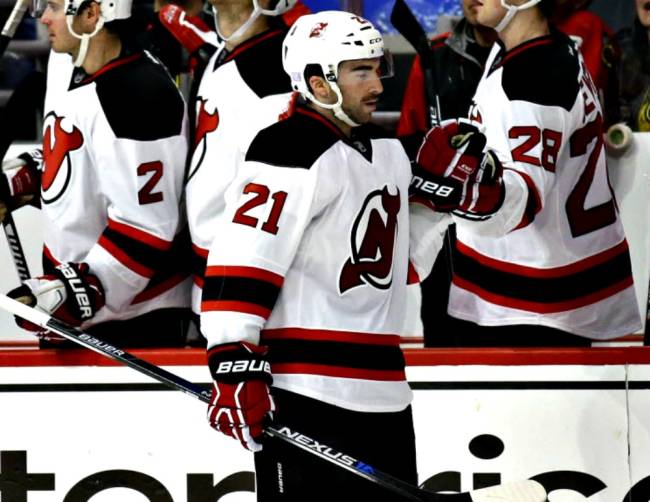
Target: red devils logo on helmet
[
  {"x": 205, "y": 123},
  {"x": 317, "y": 30},
  {"x": 57, "y": 145},
  {"x": 372, "y": 242}
]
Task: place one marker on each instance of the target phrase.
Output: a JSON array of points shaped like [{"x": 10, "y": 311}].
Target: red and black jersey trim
[
  {"x": 140, "y": 251},
  {"x": 334, "y": 353},
  {"x": 198, "y": 263},
  {"x": 547, "y": 290},
  {"x": 248, "y": 290}
]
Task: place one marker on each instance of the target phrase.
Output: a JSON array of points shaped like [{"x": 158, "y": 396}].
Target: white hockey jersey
[
  {"x": 114, "y": 150},
  {"x": 555, "y": 254},
  {"x": 239, "y": 93},
  {"x": 312, "y": 261}
]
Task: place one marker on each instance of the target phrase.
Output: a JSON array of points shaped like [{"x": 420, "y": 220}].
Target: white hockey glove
[
  {"x": 71, "y": 294},
  {"x": 241, "y": 403}
]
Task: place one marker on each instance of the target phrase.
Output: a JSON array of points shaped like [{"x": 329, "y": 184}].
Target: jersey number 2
[
  {"x": 146, "y": 195},
  {"x": 262, "y": 194}
]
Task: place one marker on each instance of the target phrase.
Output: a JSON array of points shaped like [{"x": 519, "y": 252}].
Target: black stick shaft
[{"x": 15, "y": 247}]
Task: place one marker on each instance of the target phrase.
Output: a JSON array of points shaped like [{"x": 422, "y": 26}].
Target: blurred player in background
[
  {"x": 109, "y": 182},
  {"x": 551, "y": 266},
  {"x": 242, "y": 88}
]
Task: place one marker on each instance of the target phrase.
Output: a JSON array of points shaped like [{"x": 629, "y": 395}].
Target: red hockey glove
[
  {"x": 71, "y": 294},
  {"x": 190, "y": 31},
  {"x": 456, "y": 172},
  {"x": 20, "y": 180},
  {"x": 241, "y": 402}
]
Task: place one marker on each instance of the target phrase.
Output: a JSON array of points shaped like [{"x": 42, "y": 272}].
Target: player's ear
[
  {"x": 320, "y": 88},
  {"x": 89, "y": 16}
]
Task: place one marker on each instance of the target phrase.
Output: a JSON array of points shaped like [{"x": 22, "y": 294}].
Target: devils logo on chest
[
  {"x": 372, "y": 242},
  {"x": 206, "y": 123},
  {"x": 59, "y": 139}
]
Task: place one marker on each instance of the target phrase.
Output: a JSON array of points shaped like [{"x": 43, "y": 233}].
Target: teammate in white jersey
[
  {"x": 551, "y": 266},
  {"x": 114, "y": 148},
  {"x": 305, "y": 286},
  {"x": 243, "y": 73}
]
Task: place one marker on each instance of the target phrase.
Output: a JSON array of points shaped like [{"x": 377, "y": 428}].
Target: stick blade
[{"x": 518, "y": 491}]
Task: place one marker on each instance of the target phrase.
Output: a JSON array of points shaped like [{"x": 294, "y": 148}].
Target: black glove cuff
[
  {"x": 443, "y": 192},
  {"x": 79, "y": 293},
  {"x": 236, "y": 362}
]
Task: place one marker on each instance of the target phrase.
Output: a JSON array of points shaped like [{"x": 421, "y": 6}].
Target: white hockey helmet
[
  {"x": 326, "y": 39},
  {"x": 511, "y": 11},
  {"x": 276, "y": 8}
]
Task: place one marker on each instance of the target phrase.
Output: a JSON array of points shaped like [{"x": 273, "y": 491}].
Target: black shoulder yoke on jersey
[
  {"x": 297, "y": 141},
  {"x": 543, "y": 71},
  {"x": 259, "y": 61},
  {"x": 139, "y": 98}
]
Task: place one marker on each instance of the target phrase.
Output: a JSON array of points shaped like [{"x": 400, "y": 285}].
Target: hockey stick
[
  {"x": 12, "y": 23},
  {"x": 15, "y": 247},
  {"x": 522, "y": 491},
  {"x": 408, "y": 26}
]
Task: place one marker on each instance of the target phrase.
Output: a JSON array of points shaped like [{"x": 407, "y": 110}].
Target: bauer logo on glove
[{"x": 455, "y": 171}]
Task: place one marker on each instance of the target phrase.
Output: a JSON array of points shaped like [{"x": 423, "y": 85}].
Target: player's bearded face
[{"x": 360, "y": 86}]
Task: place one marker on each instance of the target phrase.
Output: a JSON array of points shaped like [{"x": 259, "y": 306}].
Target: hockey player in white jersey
[
  {"x": 305, "y": 287},
  {"x": 114, "y": 148},
  {"x": 551, "y": 266},
  {"x": 243, "y": 73}
]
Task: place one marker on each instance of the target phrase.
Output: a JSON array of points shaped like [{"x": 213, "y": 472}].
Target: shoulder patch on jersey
[
  {"x": 140, "y": 100},
  {"x": 297, "y": 141},
  {"x": 260, "y": 64},
  {"x": 544, "y": 73}
]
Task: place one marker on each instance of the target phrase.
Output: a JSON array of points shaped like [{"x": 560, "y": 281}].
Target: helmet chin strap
[
  {"x": 337, "y": 107},
  {"x": 242, "y": 29},
  {"x": 511, "y": 11},
  {"x": 85, "y": 38}
]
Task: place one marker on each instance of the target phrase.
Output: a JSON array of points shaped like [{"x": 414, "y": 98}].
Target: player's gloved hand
[
  {"x": 20, "y": 180},
  {"x": 71, "y": 294},
  {"x": 241, "y": 402},
  {"x": 190, "y": 31},
  {"x": 455, "y": 171}
]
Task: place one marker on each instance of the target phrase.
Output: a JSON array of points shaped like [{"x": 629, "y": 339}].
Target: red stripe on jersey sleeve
[
  {"x": 542, "y": 308},
  {"x": 234, "y": 306},
  {"x": 248, "y": 272},
  {"x": 124, "y": 258},
  {"x": 139, "y": 235},
  {"x": 545, "y": 273}
]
